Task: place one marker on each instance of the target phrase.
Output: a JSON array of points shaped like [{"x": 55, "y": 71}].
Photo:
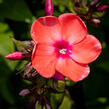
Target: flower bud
[
  {"x": 24, "y": 92},
  {"x": 33, "y": 43},
  {"x": 96, "y": 21},
  {"x": 49, "y": 8},
  {"x": 77, "y": 3},
  {"x": 94, "y": 2},
  {"x": 17, "y": 56},
  {"x": 47, "y": 106},
  {"x": 83, "y": 3},
  {"x": 47, "y": 103},
  {"x": 102, "y": 8},
  {"x": 28, "y": 69},
  {"x": 34, "y": 73},
  {"x": 58, "y": 76}
]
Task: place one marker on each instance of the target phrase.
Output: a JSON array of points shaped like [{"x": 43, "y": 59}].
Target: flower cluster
[{"x": 87, "y": 10}]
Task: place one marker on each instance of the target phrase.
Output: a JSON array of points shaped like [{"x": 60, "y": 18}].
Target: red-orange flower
[{"x": 64, "y": 46}]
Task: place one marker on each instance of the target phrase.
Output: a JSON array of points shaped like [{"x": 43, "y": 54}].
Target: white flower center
[{"x": 63, "y": 51}]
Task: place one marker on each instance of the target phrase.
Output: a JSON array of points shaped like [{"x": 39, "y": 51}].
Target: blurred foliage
[{"x": 16, "y": 17}]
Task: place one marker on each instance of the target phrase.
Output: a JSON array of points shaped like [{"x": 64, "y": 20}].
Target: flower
[
  {"x": 96, "y": 21},
  {"x": 102, "y": 8},
  {"x": 64, "y": 46},
  {"x": 24, "y": 92}
]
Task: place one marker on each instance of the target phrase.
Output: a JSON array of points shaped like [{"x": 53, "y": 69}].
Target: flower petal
[
  {"x": 46, "y": 29},
  {"x": 44, "y": 60},
  {"x": 87, "y": 50},
  {"x": 74, "y": 29},
  {"x": 71, "y": 69}
]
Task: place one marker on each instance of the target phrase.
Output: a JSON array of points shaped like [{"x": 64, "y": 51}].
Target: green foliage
[
  {"x": 66, "y": 104},
  {"x": 15, "y": 10},
  {"x": 56, "y": 100},
  {"x": 7, "y": 67}
]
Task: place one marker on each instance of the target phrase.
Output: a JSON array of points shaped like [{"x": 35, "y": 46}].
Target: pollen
[
  {"x": 62, "y": 51},
  {"x": 63, "y": 48}
]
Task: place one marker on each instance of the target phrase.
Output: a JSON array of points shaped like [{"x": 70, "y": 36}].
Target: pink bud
[
  {"x": 96, "y": 21},
  {"x": 49, "y": 8},
  {"x": 27, "y": 70},
  {"x": 17, "y": 56},
  {"x": 83, "y": 3},
  {"x": 94, "y": 2},
  {"x": 102, "y": 8},
  {"x": 34, "y": 73},
  {"x": 33, "y": 43},
  {"x": 58, "y": 76},
  {"x": 24, "y": 92}
]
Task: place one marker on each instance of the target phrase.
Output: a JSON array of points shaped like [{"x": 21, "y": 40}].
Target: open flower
[{"x": 64, "y": 46}]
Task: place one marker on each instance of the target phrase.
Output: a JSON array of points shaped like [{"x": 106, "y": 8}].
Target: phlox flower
[{"x": 63, "y": 46}]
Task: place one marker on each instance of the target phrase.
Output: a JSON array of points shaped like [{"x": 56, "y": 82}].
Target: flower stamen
[{"x": 62, "y": 51}]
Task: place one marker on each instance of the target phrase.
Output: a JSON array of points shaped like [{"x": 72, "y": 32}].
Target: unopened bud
[
  {"x": 24, "y": 92},
  {"x": 17, "y": 56},
  {"x": 77, "y": 3},
  {"x": 96, "y": 21},
  {"x": 32, "y": 103},
  {"x": 47, "y": 103},
  {"x": 94, "y": 2},
  {"x": 102, "y": 8},
  {"x": 28, "y": 69},
  {"x": 47, "y": 106},
  {"x": 58, "y": 76},
  {"x": 33, "y": 43},
  {"x": 83, "y": 3},
  {"x": 49, "y": 8},
  {"x": 34, "y": 73}
]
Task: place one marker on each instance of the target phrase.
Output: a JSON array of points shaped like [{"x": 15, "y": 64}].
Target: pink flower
[
  {"x": 64, "y": 46},
  {"x": 102, "y": 8},
  {"x": 96, "y": 21},
  {"x": 24, "y": 92},
  {"x": 94, "y": 2},
  {"x": 17, "y": 56}
]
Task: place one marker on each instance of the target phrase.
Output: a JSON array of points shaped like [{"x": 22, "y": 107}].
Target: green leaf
[
  {"x": 3, "y": 27},
  {"x": 4, "y": 81},
  {"x": 61, "y": 8},
  {"x": 71, "y": 6},
  {"x": 7, "y": 66},
  {"x": 94, "y": 85},
  {"x": 5, "y": 91},
  {"x": 98, "y": 14},
  {"x": 66, "y": 104},
  {"x": 104, "y": 65},
  {"x": 15, "y": 10},
  {"x": 56, "y": 100},
  {"x": 38, "y": 106},
  {"x": 6, "y": 45},
  {"x": 1, "y": 1}
]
